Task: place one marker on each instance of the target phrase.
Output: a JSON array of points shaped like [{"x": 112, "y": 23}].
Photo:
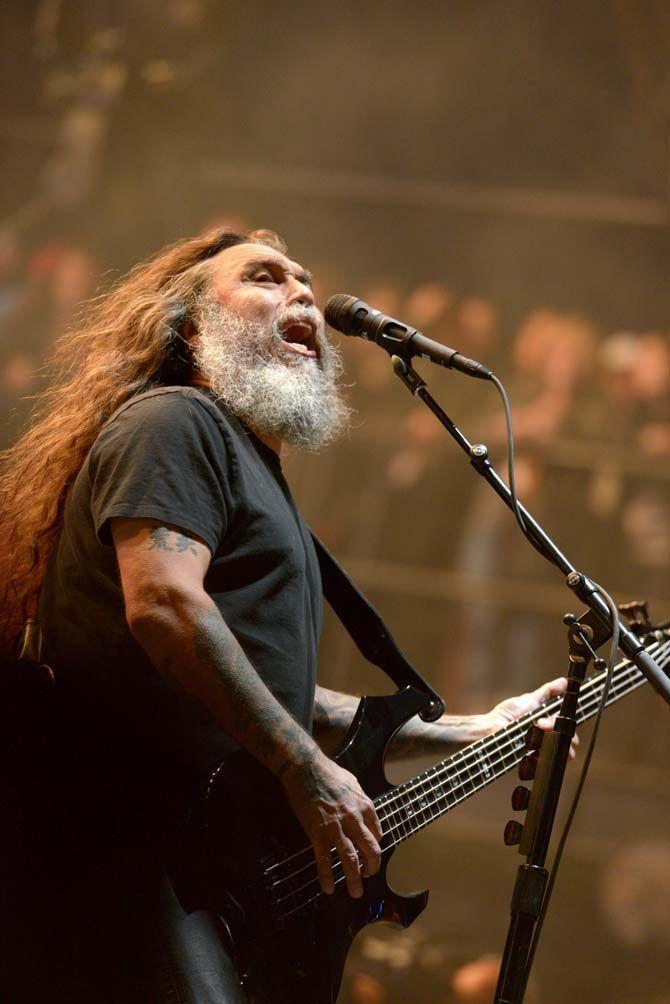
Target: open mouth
[{"x": 299, "y": 338}]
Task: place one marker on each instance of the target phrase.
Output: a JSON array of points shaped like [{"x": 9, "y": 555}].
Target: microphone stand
[
  {"x": 629, "y": 643},
  {"x": 592, "y": 627}
]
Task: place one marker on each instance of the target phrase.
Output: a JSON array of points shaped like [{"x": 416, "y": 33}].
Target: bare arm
[
  {"x": 183, "y": 633},
  {"x": 334, "y": 712}
]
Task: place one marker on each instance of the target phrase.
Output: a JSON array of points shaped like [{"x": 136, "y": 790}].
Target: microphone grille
[{"x": 337, "y": 312}]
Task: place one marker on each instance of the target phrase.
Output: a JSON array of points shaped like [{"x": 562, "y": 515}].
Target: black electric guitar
[{"x": 249, "y": 863}]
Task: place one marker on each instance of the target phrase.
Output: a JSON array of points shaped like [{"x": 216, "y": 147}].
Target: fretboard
[
  {"x": 421, "y": 800},
  {"x": 413, "y": 805}
]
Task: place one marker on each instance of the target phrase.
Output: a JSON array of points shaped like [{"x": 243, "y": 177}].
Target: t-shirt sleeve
[{"x": 163, "y": 458}]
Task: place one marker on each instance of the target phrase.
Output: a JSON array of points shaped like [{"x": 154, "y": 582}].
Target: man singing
[{"x": 180, "y": 601}]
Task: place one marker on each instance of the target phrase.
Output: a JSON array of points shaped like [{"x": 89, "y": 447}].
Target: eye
[{"x": 263, "y": 276}]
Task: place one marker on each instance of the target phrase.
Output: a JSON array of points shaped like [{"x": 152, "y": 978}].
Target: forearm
[
  {"x": 189, "y": 642},
  {"x": 334, "y": 713},
  {"x": 445, "y": 736}
]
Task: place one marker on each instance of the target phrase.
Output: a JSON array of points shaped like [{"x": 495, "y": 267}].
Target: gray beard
[{"x": 275, "y": 392}]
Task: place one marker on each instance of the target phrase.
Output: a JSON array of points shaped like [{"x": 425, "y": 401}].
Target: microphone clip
[{"x": 407, "y": 374}]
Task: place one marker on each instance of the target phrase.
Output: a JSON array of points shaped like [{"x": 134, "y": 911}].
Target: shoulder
[
  {"x": 178, "y": 411},
  {"x": 171, "y": 425},
  {"x": 168, "y": 403}
]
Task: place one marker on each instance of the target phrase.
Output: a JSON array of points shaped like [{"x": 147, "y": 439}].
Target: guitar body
[
  {"x": 246, "y": 859},
  {"x": 289, "y": 941}
]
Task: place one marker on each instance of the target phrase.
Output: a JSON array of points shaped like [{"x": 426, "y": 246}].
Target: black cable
[{"x": 526, "y": 530}]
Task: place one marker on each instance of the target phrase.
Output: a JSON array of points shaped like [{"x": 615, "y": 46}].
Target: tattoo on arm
[
  {"x": 334, "y": 712},
  {"x": 207, "y": 661},
  {"x": 160, "y": 541}
]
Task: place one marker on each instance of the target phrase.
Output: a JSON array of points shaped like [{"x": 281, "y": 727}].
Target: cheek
[{"x": 251, "y": 304}]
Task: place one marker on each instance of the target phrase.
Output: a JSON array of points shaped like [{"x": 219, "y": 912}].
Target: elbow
[{"x": 155, "y": 611}]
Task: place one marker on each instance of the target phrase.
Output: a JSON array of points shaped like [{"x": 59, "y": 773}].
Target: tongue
[{"x": 299, "y": 347}]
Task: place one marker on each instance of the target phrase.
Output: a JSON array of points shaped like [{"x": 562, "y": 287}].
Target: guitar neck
[{"x": 421, "y": 800}]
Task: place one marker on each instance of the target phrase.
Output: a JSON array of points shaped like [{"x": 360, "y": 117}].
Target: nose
[{"x": 299, "y": 292}]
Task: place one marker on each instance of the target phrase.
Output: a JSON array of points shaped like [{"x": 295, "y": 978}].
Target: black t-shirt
[{"x": 174, "y": 455}]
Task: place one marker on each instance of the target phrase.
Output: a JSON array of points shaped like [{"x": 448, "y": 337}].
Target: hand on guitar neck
[
  {"x": 513, "y": 708},
  {"x": 334, "y": 712}
]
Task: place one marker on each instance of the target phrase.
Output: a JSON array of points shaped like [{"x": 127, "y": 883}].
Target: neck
[{"x": 273, "y": 442}]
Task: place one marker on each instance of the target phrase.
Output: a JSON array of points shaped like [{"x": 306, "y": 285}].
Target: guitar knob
[
  {"x": 512, "y": 832},
  {"x": 527, "y": 767},
  {"x": 534, "y": 737},
  {"x": 520, "y": 798}
]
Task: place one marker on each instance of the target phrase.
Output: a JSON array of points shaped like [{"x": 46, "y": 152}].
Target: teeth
[{"x": 299, "y": 347}]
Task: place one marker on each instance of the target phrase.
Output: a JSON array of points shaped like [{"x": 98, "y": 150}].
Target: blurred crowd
[{"x": 591, "y": 413}]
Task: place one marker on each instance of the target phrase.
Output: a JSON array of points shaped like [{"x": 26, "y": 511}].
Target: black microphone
[{"x": 356, "y": 317}]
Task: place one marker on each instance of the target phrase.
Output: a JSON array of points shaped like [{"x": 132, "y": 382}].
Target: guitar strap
[{"x": 364, "y": 625}]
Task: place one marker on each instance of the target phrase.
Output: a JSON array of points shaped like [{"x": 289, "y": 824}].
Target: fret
[
  {"x": 411, "y": 806},
  {"x": 407, "y": 815},
  {"x": 425, "y": 814},
  {"x": 441, "y": 792},
  {"x": 449, "y": 798},
  {"x": 468, "y": 783},
  {"x": 429, "y": 795},
  {"x": 402, "y": 815},
  {"x": 437, "y": 794}
]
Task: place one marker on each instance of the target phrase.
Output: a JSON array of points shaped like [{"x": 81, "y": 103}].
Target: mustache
[{"x": 298, "y": 314}]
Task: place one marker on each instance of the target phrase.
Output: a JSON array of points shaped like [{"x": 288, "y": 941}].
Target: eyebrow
[{"x": 272, "y": 265}]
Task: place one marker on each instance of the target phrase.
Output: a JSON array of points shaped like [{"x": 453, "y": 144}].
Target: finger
[
  {"x": 367, "y": 845},
  {"x": 546, "y": 724},
  {"x": 372, "y": 822},
  {"x": 324, "y": 866},
  {"x": 551, "y": 689},
  {"x": 350, "y": 865}
]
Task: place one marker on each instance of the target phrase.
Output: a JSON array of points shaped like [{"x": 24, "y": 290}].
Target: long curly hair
[{"x": 129, "y": 340}]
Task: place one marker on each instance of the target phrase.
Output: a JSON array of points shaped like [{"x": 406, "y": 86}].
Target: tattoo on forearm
[
  {"x": 334, "y": 712},
  {"x": 253, "y": 715},
  {"x": 160, "y": 541},
  {"x": 417, "y": 738}
]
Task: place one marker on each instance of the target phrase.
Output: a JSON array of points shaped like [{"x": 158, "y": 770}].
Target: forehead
[{"x": 234, "y": 260}]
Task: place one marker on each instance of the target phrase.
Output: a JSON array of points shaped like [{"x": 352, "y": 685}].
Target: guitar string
[
  {"x": 407, "y": 827},
  {"x": 586, "y": 707},
  {"x": 614, "y": 695},
  {"x": 404, "y": 826},
  {"x": 472, "y": 752},
  {"x": 305, "y": 902},
  {"x": 434, "y": 773},
  {"x": 489, "y": 775},
  {"x": 471, "y": 758}
]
